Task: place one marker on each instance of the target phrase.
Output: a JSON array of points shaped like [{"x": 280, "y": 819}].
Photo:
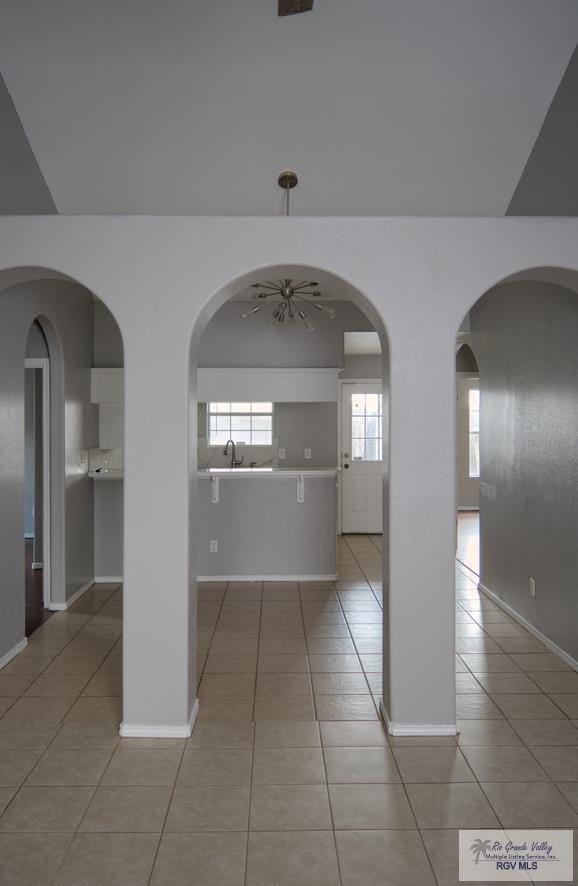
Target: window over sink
[{"x": 248, "y": 423}]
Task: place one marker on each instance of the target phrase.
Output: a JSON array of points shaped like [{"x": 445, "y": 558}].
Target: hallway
[{"x": 289, "y": 773}]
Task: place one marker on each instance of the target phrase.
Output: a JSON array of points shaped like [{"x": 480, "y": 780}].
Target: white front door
[{"x": 361, "y": 457}]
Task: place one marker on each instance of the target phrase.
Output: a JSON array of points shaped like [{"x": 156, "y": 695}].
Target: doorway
[
  {"x": 37, "y": 492},
  {"x": 361, "y": 457}
]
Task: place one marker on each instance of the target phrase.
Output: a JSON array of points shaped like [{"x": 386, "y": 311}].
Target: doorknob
[{"x": 345, "y": 466}]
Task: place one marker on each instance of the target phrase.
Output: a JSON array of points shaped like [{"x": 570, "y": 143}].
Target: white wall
[{"x": 159, "y": 276}]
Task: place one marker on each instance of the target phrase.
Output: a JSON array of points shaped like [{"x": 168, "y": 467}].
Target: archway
[
  {"x": 62, "y": 311},
  {"x": 349, "y": 591},
  {"x": 516, "y": 607}
]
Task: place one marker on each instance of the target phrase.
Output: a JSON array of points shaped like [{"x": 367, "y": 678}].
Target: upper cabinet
[
  {"x": 107, "y": 389},
  {"x": 107, "y": 385}
]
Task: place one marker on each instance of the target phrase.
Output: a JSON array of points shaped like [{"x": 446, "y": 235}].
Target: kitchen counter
[
  {"x": 283, "y": 529},
  {"x": 106, "y": 475}
]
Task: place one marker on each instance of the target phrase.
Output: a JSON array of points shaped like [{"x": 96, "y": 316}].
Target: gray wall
[
  {"x": 230, "y": 341},
  {"x": 525, "y": 337},
  {"x": 362, "y": 366},
  {"x": 29, "y": 452},
  {"x": 108, "y": 528},
  {"x": 296, "y": 426},
  {"x": 68, "y": 312},
  {"x": 108, "y": 350}
]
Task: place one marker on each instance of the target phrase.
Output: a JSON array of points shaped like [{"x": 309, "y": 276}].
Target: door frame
[
  {"x": 43, "y": 363},
  {"x": 342, "y": 382}
]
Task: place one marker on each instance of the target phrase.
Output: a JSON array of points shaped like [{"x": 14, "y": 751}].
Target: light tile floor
[{"x": 289, "y": 777}]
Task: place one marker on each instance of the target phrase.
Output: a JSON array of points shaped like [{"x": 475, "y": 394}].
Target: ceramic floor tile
[
  {"x": 46, "y": 809},
  {"x": 532, "y": 662},
  {"x": 31, "y": 859},
  {"x": 283, "y": 684},
  {"x": 561, "y": 763},
  {"x": 370, "y": 806},
  {"x": 345, "y": 707},
  {"x": 127, "y": 809},
  {"x": 26, "y": 736},
  {"x": 95, "y": 710},
  {"x": 546, "y": 732},
  {"x": 227, "y": 708},
  {"x": 363, "y": 765},
  {"x": 384, "y": 857},
  {"x": 209, "y": 766},
  {"x": 14, "y": 687},
  {"x": 210, "y": 734},
  {"x": 57, "y": 686},
  {"x": 489, "y": 664},
  {"x": 287, "y": 734},
  {"x": 282, "y": 664},
  {"x": 86, "y": 736},
  {"x": 231, "y": 664},
  {"x": 286, "y": 707},
  {"x": 200, "y": 859},
  {"x": 477, "y": 707},
  {"x": 38, "y": 710},
  {"x": 353, "y": 734},
  {"x": 432, "y": 764},
  {"x": 96, "y": 859},
  {"x": 567, "y": 702},
  {"x": 528, "y": 707},
  {"x": 507, "y": 684},
  {"x": 339, "y": 684},
  {"x": 451, "y": 806},
  {"x": 525, "y": 805},
  {"x": 504, "y": 764},
  {"x": 226, "y": 684},
  {"x": 70, "y": 767},
  {"x": 289, "y": 808},
  {"x": 16, "y": 765},
  {"x": 486, "y": 732},
  {"x": 142, "y": 767},
  {"x": 289, "y": 858},
  {"x": 288, "y": 766},
  {"x": 209, "y": 808}
]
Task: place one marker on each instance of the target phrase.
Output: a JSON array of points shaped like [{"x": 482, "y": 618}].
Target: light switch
[
  {"x": 282, "y": 454},
  {"x": 213, "y": 546},
  {"x": 307, "y": 453}
]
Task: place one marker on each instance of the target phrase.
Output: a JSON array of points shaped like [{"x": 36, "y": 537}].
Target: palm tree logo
[{"x": 479, "y": 848}]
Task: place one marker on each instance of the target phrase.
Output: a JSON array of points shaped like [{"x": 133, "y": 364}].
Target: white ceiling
[{"x": 382, "y": 106}]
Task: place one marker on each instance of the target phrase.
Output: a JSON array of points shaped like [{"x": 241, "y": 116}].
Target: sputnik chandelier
[{"x": 287, "y": 297}]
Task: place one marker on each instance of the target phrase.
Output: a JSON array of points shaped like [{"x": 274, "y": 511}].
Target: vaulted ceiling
[{"x": 423, "y": 107}]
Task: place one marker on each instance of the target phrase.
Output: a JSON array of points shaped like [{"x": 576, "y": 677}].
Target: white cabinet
[
  {"x": 107, "y": 389},
  {"x": 107, "y": 385},
  {"x": 111, "y": 425}
]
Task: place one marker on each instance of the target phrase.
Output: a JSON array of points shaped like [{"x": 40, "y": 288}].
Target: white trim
[
  {"x": 529, "y": 627},
  {"x": 108, "y": 579},
  {"x": 60, "y": 607},
  {"x": 145, "y": 730},
  {"x": 420, "y": 729},
  {"x": 267, "y": 577},
  {"x": 38, "y": 565},
  {"x": 43, "y": 363},
  {"x": 28, "y": 535},
  {"x": 13, "y": 652}
]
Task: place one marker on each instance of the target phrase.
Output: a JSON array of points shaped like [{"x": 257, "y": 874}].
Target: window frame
[
  {"x": 232, "y": 413},
  {"x": 473, "y": 433}
]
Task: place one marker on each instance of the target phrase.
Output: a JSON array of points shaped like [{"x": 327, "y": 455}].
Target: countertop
[
  {"x": 106, "y": 475},
  {"x": 206, "y": 473}
]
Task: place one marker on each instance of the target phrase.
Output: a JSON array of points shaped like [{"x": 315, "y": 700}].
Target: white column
[
  {"x": 419, "y": 670},
  {"x": 159, "y": 636}
]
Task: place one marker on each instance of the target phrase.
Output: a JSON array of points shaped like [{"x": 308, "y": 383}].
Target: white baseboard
[
  {"x": 146, "y": 730},
  {"x": 38, "y": 565},
  {"x": 13, "y": 652},
  {"x": 267, "y": 577},
  {"x": 529, "y": 627},
  {"x": 108, "y": 579},
  {"x": 419, "y": 729},
  {"x": 61, "y": 607}
]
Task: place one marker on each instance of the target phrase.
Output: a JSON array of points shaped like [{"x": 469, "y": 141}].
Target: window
[
  {"x": 250, "y": 423},
  {"x": 366, "y": 427},
  {"x": 474, "y": 429}
]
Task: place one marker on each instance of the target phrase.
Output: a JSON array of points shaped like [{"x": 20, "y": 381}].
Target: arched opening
[
  {"x": 289, "y": 612},
  {"x": 52, "y": 327},
  {"x": 516, "y": 610}
]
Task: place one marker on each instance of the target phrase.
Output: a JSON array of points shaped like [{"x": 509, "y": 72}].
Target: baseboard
[
  {"x": 145, "y": 730},
  {"x": 529, "y": 627},
  {"x": 108, "y": 579},
  {"x": 61, "y": 607},
  {"x": 332, "y": 577},
  {"x": 419, "y": 729},
  {"x": 38, "y": 565},
  {"x": 13, "y": 652}
]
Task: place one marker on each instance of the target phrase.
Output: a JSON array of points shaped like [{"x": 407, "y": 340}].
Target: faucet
[{"x": 234, "y": 462}]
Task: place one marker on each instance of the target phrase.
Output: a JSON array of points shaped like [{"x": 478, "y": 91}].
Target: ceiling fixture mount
[
  {"x": 294, "y": 7},
  {"x": 287, "y": 297},
  {"x": 287, "y": 181}
]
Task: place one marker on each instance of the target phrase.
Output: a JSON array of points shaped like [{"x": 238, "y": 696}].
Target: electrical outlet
[
  {"x": 307, "y": 453},
  {"x": 282, "y": 454},
  {"x": 532, "y": 587},
  {"x": 84, "y": 457},
  {"x": 213, "y": 546}
]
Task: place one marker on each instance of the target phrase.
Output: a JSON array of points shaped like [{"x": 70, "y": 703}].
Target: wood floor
[{"x": 36, "y": 614}]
